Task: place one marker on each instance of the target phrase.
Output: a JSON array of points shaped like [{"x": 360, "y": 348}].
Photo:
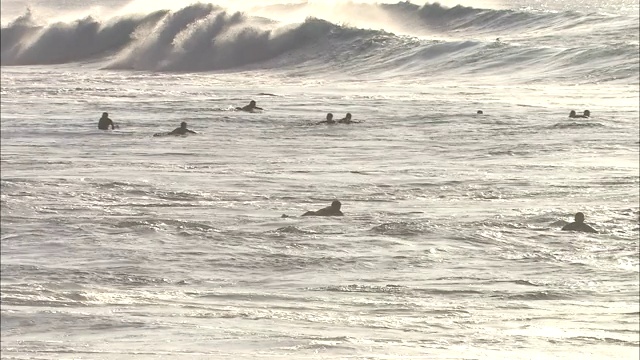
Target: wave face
[{"x": 400, "y": 39}]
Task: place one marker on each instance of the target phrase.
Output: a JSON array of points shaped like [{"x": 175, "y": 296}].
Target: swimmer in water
[
  {"x": 479, "y": 112},
  {"x": 249, "y": 108},
  {"x": 333, "y": 210},
  {"x": 182, "y": 130},
  {"x": 579, "y": 225},
  {"x": 347, "y": 120},
  {"x": 328, "y": 121},
  {"x": 105, "y": 122}
]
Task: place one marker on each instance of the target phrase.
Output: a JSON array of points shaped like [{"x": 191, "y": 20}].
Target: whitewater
[{"x": 121, "y": 245}]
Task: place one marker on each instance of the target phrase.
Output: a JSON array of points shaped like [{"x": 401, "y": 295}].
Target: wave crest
[{"x": 205, "y": 37}]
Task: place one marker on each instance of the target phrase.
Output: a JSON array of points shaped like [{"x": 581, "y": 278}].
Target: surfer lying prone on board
[
  {"x": 250, "y": 108},
  {"x": 182, "y": 130},
  {"x": 347, "y": 120},
  {"x": 332, "y": 210}
]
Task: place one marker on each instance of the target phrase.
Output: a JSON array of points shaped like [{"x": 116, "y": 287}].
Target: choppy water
[{"x": 120, "y": 245}]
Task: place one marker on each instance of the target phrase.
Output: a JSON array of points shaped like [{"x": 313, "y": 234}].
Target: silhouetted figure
[
  {"x": 182, "y": 130},
  {"x": 579, "y": 225},
  {"x": 347, "y": 120},
  {"x": 105, "y": 122},
  {"x": 479, "y": 112},
  {"x": 250, "y": 108},
  {"x": 333, "y": 210},
  {"x": 329, "y": 120}
]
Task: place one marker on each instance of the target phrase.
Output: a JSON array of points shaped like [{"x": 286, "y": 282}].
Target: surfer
[
  {"x": 329, "y": 120},
  {"x": 347, "y": 120},
  {"x": 579, "y": 225},
  {"x": 250, "y": 108},
  {"x": 182, "y": 130},
  {"x": 333, "y": 210},
  {"x": 479, "y": 112},
  {"x": 105, "y": 122}
]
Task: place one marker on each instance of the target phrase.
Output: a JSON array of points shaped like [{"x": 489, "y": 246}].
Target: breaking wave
[{"x": 413, "y": 40}]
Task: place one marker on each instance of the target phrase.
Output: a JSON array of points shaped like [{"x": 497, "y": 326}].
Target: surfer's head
[
  {"x": 252, "y": 103},
  {"x": 579, "y": 218},
  {"x": 348, "y": 116},
  {"x": 479, "y": 112},
  {"x": 586, "y": 113},
  {"x": 335, "y": 205},
  {"x": 183, "y": 124},
  {"x": 572, "y": 114},
  {"x": 329, "y": 116},
  {"x": 104, "y": 114}
]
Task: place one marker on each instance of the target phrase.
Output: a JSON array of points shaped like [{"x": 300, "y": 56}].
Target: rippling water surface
[{"x": 118, "y": 244}]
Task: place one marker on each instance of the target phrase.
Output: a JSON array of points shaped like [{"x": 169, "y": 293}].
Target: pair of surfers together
[
  {"x": 104, "y": 123},
  {"x": 334, "y": 210},
  {"x": 585, "y": 114},
  {"x": 345, "y": 120}
]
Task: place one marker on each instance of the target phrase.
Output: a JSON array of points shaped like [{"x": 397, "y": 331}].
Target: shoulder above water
[{"x": 582, "y": 227}]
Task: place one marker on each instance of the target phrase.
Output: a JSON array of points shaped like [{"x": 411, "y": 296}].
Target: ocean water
[{"x": 121, "y": 245}]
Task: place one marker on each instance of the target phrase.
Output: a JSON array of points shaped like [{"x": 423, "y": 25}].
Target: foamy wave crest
[
  {"x": 200, "y": 37},
  {"x": 205, "y": 37},
  {"x": 25, "y": 43}
]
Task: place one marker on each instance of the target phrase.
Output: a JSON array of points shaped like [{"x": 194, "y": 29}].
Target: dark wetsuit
[
  {"x": 104, "y": 123},
  {"x": 347, "y": 120},
  {"x": 330, "y": 122},
  {"x": 577, "y": 226},
  {"x": 181, "y": 131},
  {"x": 249, "y": 108},
  {"x": 328, "y": 211}
]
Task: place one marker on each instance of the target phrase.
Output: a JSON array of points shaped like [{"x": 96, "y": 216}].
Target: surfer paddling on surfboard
[
  {"x": 182, "y": 130},
  {"x": 250, "y": 108},
  {"x": 332, "y": 210},
  {"x": 347, "y": 120}
]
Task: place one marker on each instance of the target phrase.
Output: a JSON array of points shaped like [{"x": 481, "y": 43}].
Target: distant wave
[
  {"x": 362, "y": 288},
  {"x": 205, "y": 37}
]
